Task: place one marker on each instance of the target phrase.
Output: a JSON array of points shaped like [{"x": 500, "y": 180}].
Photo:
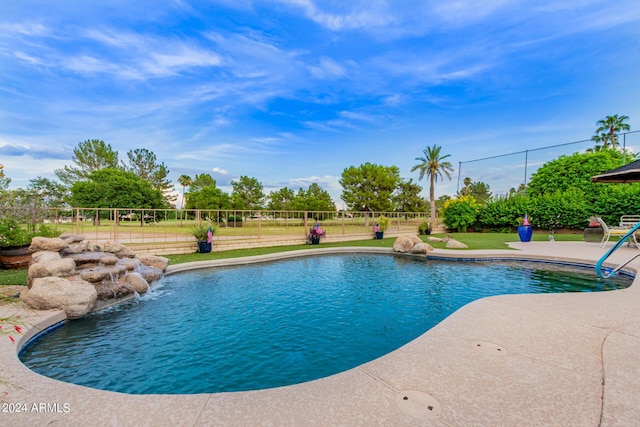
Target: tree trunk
[{"x": 432, "y": 200}]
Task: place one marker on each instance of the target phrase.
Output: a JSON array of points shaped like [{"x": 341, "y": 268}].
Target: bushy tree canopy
[
  {"x": 89, "y": 156},
  {"x": 204, "y": 194},
  {"x": 370, "y": 187},
  {"x": 110, "y": 187},
  {"x": 574, "y": 172},
  {"x": 408, "y": 198},
  {"x": 247, "y": 193}
]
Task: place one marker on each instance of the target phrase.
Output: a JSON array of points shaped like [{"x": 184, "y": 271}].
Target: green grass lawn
[{"x": 472, "y": 240}]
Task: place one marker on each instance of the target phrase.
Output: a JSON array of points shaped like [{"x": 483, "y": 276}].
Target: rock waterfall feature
[{"x": 78, "y": 276}]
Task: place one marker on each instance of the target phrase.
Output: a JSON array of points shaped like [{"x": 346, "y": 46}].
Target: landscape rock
[
  {"x": 137, "y": 282},
  {"x": 60, "y": 267},
  {"x": 150, "y": 274},
  {"x": 54, "y": 244},
  {"x": 120, "y": 250},
  {"x": 101, "y": 273},
  {"x": 71, "y": 274},
  {"x": 454, "y": 244},
  {"x": 48, "y": 293},
  {"x": 421, "y": 248},
  {"x": 71, "y": 238},
  {"x": 154, "y": 261},
  {"x": 44, "y": 256},
  {"x": 130, "y": 264},
  {"x": 403, "y": 244},
  {"x": 108, "y": 289},
  {"x": 109, "y": 260}
]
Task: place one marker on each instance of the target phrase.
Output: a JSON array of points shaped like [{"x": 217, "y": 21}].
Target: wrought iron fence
[{"x": 147, "y": 226}]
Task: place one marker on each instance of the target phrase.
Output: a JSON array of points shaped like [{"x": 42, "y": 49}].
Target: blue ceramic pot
[{"x": 525, "y": 232}]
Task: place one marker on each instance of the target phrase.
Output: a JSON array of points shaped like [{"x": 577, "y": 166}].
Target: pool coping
[{"x": 551, "y": 359}]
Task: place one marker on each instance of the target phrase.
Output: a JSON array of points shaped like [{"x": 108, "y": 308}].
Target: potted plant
[
  {"x": 424, "y": 228},
  {"x": 315, "y": 234},
  {"x": 15, "y": 238},
  {"x": 525, "y": 230},
  {"x": 203, "y": 233},
  {"x": 381, "y": 224}
]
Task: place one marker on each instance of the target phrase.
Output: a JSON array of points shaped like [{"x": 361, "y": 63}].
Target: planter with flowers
[
  {"x": 315, "y": 234},
  {"x": 381, "y": 224},
  {"x": 525, "y": 230},
  {"x": 203, "y": 233}
]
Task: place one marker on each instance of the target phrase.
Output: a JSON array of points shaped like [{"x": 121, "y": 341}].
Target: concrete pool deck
[{"x": 544, "y": 359}]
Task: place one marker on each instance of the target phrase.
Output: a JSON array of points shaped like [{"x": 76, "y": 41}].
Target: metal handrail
[{"x": 612, "y": 250}]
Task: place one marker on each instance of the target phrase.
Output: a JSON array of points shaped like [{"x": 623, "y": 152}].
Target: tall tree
[
  {"x": 608, "y": 128},
  {"x": 433, "y": 165},
  {"x": 52, "y": 193},
  {"x": 480, "y": 191},
  {"x": 204, "y": 194},
  {"x": 408, "y": 198},
  {"x": 369, "y": 187},
  {"x": 114, "y": 187},
  {"x": 185, "y": 181},
  {"x": 281, "y": 200},
  {"x": 143, "y": 163},
  {"x": 314, "y": 198},
  {"x": 89, "y": 156},
  {"x": 247, "y": 193}
]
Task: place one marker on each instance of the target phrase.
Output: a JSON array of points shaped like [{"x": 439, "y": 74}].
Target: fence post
[{"x": 306, "y": 227}]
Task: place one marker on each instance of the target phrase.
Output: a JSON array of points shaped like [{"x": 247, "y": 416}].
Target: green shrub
[
  {"x": 383, "y": 222},
  {"x": 424, "y": 227},
  {"x": 460, "y": 213},
  {"x": 502, "y": 214}
]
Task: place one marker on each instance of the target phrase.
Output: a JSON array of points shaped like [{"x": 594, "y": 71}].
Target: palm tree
[
  {"x": 607, "y": 129},
  {"x": 434, "y": 166},
  {"x": 185, "y": 181}
]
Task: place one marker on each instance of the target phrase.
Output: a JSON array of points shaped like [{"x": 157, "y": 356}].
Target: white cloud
[
  {"x": 328, "y": 68},
  {"x": 220, "y": 171}
]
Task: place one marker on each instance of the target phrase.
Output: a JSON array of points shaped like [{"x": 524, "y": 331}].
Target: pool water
[{"x": 280, "y": 323}]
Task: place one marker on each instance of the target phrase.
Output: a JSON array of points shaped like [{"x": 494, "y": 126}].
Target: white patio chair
[{"x": 615, "y": 232}]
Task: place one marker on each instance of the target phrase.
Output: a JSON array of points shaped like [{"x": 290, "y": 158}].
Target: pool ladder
[{"x": 610, "y": 273}]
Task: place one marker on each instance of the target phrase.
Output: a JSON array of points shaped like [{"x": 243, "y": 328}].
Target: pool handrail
[{"x": 612, "y": 250}]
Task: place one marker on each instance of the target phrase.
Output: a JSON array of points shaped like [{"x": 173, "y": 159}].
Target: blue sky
[{"x": 294, "y": 91}]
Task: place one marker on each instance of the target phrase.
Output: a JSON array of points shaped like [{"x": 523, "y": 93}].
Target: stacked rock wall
[{"x": 75, "y": 275}]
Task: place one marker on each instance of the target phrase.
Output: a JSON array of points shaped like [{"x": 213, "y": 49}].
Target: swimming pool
[{"x": 280, "y": 323}]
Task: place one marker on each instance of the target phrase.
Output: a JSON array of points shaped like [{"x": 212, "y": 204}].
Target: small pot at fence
[
  {"x": 315, "y": 239},
  {"x": 525, "y": 232},
  {"x": 379, "y": 235},
  {"x": 204, "y": 247}
]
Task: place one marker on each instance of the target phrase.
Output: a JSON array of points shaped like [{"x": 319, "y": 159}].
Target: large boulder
[
  {"x": 137, "y": 282},
  {"x": 118, "y": 249},
  {"x": 54, "y": 244},
  {"x": 101, "y": 273},
  {"x": 108, "y": 289},
  {"x": 44, "y": 256},
  {"x": 150, "y": 274},
  {"x": 71, "y": 238},
  {"x": 60, "y": 267},
  {"x": 154, "y": 261},
  {"x": 131, "y": 264},
  {"x": 421, "y": 248},
  {"x": 403, "y": 244},
  {"x": 76, "y": 298}
]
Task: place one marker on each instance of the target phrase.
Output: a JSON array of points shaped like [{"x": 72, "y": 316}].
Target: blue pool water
[{"x": 280, "y": 323}]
